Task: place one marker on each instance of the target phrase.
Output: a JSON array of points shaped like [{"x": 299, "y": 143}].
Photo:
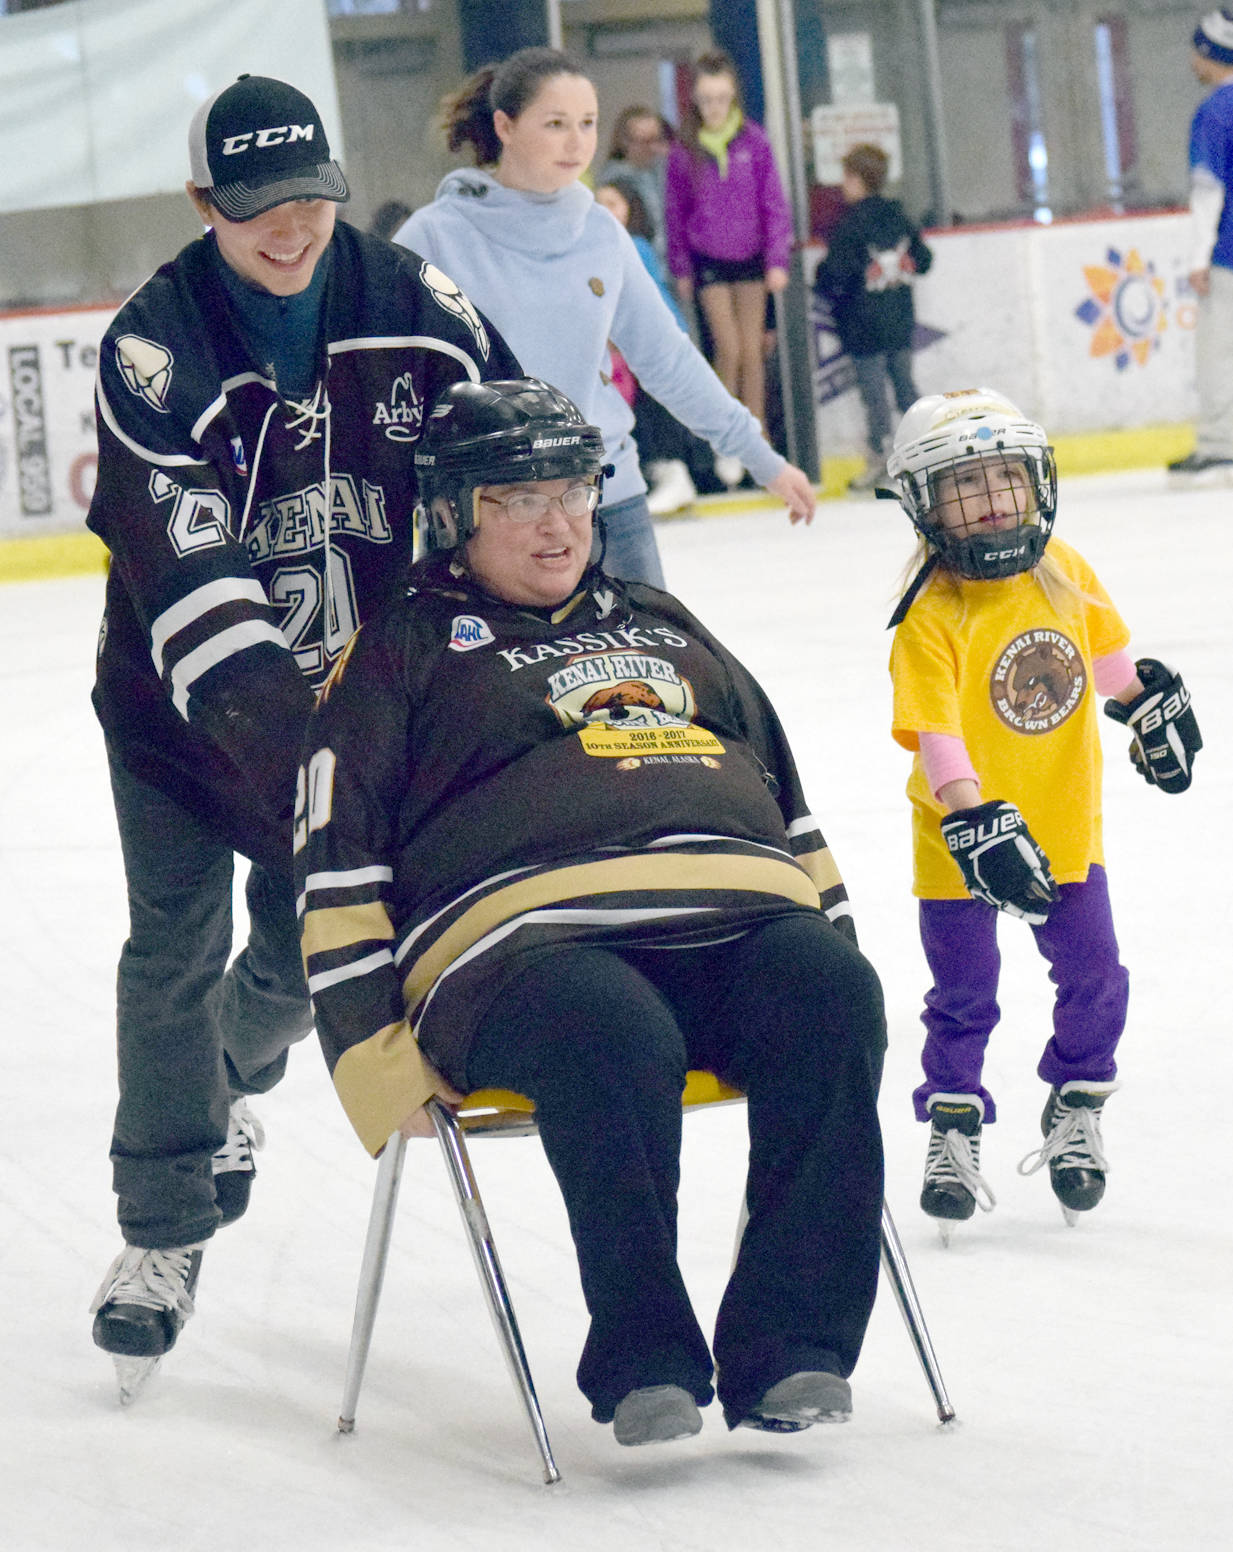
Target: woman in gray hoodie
[{"x": 560, "y": 278}]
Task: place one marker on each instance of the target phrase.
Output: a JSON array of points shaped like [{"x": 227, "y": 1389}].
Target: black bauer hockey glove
[
  {"x": 1166, "y": 735},
  {"x": 1000, "y": 862}
]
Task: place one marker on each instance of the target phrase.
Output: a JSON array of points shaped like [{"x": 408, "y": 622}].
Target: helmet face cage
[
  {"x": 528, "y": 433},
  {"x": 959, "y": 468}
]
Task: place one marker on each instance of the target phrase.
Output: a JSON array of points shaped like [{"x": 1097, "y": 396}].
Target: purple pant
[{"x": 961, "y": 1009}]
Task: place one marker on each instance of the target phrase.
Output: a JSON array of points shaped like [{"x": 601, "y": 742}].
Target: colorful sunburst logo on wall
[{"x": 1126, "y": 309}]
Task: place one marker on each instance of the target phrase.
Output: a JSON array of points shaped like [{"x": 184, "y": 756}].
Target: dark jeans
[
  {"x": 961, "y": 1009},
  {"x": 630, "y": 550},
  {"x": 601, "y": 1039},
  {"x": 872, "y": 375},
  {"x": 191, "y": 1032}
]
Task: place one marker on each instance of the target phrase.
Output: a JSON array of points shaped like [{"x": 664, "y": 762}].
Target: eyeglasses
[{"x": 528, "y": 506}]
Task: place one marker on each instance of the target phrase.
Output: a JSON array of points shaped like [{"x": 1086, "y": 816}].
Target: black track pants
[
  {"x": 190, "y": 1030},
  {"x": 601, "y": 1040}
]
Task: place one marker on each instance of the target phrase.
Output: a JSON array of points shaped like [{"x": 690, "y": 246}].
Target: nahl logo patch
[
  {"x": 468, "y": 632},
  {"x": 403, "y": 415}
]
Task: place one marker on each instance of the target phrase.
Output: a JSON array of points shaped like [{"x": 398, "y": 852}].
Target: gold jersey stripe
[
  {"x": 669, "y": 871},
  {"x": 381, "y": 1081},
  {"x": 821, "y": 867},
  {"x": 341, "y": 926}
]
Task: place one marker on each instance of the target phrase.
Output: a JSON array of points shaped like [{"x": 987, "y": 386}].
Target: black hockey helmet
[{"x": 496, "y": 433}]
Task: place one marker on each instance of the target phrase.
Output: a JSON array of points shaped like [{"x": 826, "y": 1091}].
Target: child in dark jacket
[{"x": 875, "y": 252}]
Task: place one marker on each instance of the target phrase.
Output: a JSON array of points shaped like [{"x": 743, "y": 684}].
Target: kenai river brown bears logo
[
  {"x": 1038, "y": 681},
  {"x": 630, "y": 706}
]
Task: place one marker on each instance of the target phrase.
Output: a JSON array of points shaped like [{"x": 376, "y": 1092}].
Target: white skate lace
[
  {"x": 154, "y": 1278},
  {"x": 245, "y": 1136},
  {"x": 954, "y": 1159},
  {"x": 1074, "y": 1142}
]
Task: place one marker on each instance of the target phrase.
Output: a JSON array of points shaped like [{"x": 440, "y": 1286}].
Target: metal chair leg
[
  {"x": 487, "y": 1264},
  {"x": 896, "y": 1266},
  {"x": 372, "y": 1274}
]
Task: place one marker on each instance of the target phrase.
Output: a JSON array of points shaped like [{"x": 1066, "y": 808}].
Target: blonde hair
[{"x": 1057, "y": 587}]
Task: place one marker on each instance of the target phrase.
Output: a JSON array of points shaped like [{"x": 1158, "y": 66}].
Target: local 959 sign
[{"x": 48, "y": 454}]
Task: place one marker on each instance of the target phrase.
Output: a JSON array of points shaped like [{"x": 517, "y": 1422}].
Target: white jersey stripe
[
  {"x": 193, "y": 605},
  {"x": 348, "y": 878},
  {"x": 351, "y": 972},
  {"x": 249, "y": 633},
  {"x": 164, "y": 460},
  {"x": 400, "y": 341},
  {"x": 220, "y": 403},
  {"x": 570, "y": 916}
]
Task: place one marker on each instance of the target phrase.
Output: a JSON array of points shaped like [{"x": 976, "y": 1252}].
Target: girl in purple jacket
[{"x": 729, "y": 227}]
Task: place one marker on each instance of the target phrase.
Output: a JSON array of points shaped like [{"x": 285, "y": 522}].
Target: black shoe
[
  {"x": 1073, "y": 1147},
  {"x": 954, "y": 1185},
  {"x": 145, "y": 1299},
  {"x": 1198, "y": 463},
  {"x": 812, "y": 1396},
  {"x": 234, "y": 1167},
  {"x": 656, "y": 1414}
]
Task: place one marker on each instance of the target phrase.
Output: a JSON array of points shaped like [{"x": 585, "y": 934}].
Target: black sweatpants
[
  {"x": 601, "y": 1039},
  {"x": 191, "y": 1032}
]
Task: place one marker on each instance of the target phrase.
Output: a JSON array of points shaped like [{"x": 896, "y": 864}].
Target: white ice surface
[{"x": 1091, "y": 1367}]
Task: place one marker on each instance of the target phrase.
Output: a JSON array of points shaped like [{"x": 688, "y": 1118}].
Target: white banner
[
  {"x": 96, "y": 96},
  {"x": 1087, "y": 325},
  {"x": 48, "y": 452}
]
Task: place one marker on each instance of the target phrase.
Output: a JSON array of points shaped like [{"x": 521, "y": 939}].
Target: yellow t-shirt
[{"x": 994, "y": 663}]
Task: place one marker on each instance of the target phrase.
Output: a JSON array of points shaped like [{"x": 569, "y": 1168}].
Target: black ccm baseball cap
[{"x": 258, "y": 143}]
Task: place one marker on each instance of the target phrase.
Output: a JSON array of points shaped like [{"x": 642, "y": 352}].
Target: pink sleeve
[
  {"x": 945, "y": 758},
  {"x": 1113, "y": 672}
]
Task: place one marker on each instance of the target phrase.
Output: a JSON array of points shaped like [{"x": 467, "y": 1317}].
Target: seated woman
[{"x": 550, "y": 837}]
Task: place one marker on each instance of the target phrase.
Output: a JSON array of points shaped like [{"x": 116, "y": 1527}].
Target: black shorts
[{"x": 726, "y": 272}]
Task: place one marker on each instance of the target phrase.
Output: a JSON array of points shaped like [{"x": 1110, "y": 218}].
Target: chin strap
[
  {"x": 914, "y": 587},
  {"x": 601, "y": 528}
]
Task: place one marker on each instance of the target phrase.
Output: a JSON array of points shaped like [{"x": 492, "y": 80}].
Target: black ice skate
[
  {"x": 1073, "y": 1148},
  {"x": 143, "y": 1301},
  {"x": 954, "y": 1186},
  {"x": 234, "y": 1167}
]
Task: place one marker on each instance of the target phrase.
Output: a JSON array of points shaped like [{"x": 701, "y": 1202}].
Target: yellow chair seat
[{"x": 487, "y": 1112}]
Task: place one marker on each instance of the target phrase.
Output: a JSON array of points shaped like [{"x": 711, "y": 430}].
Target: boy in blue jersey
[{"x": 1211, "y": 261}]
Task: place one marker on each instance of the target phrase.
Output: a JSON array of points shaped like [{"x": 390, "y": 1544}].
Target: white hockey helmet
[{"x": 946, "y": 433}]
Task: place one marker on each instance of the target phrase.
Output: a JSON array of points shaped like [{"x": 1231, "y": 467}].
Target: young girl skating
[{"x": 1003, "y": 640}]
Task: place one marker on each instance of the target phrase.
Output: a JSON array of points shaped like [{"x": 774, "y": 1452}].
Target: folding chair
[{"x": 502, "y": 1113}]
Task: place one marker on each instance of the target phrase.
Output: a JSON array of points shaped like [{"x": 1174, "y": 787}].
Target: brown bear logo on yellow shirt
[{"x": 1038, "y": 681}]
